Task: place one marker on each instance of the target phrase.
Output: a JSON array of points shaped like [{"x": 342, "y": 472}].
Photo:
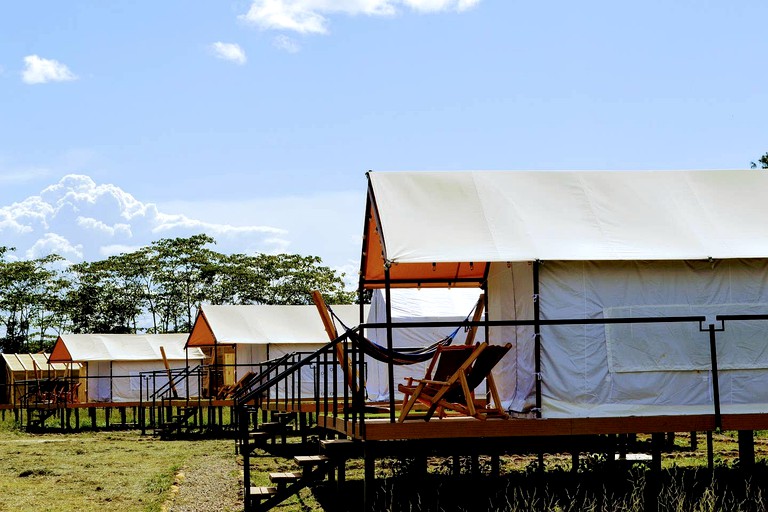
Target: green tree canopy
[{"x": 157, "y": 288}]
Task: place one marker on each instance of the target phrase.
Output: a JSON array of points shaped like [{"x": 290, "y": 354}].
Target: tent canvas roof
[
  {"x": 121, "y": 347},
  {"x": 460, "y": 220},
  {"x": 30, "y": 362},
  {"x": 265, "y": 324}
]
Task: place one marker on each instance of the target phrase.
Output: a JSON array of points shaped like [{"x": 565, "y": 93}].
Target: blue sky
[{"x": 256, "y": 120}]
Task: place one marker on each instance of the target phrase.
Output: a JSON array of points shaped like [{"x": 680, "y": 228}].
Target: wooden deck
[{"x": 462, "y": 427}]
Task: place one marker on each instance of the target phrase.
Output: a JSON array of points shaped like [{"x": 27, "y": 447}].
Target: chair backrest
[
  {"x": 480, "y": 370},
  {"x": 447, "y": 360}
]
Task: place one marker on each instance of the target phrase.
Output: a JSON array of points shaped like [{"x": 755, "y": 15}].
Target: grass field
[{"x": 124, "y": 471}]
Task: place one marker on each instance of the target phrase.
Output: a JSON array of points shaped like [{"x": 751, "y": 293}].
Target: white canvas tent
[
  {"x": 115, "y": 362},
  {"x": 261, "y": 333},
  {"x": 593, "y": 245}
]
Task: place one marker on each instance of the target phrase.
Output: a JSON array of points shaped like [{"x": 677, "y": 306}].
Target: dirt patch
[{"x": 210, "y": 483}]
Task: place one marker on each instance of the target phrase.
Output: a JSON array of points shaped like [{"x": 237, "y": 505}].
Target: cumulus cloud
[
  {"x": 311, "y": 16},
  {"x": 287, "y": 44},
  {"x": 229, "y": 51},
  {"x": 40, "y": 71},
  {"x": 82, "y": 220},
  {"x": 53, "y": 243}
]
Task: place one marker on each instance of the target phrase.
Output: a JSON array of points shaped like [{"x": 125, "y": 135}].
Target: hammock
[{"x": 403, "y": 356}]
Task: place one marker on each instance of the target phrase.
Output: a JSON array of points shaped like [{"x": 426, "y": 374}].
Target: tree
[
  {"x": 180, "y": 264},
  {"x": 103, "y": 300},
  {"x": 30, "y": 293},
  {"x": 762, "y": 163},
  {"x": 154, "y": 289},
  {"x": 272, "y": 279}
]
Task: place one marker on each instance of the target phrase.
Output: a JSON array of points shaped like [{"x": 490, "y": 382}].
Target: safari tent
[
  {"x": 118, "y": 366},
  {"x": 239, "y": 337},
  {"x": 20, "y": 368},
  {"x": 631, "y": 293}
]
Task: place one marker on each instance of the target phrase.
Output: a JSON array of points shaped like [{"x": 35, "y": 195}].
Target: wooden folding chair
[
  {"x": 462, "y": 398},
  {"x": 451, "y": 366}
]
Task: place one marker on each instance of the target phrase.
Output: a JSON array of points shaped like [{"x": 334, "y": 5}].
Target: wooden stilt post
[
  {"x": 369, "y": 483},
  {"x": 657, "y": 443},
  {"x": 710, "y": 451},
  {"x": 746, "y": 448}
]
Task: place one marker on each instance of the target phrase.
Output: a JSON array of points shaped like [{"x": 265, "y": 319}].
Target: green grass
[
  {"x": 125, "y": 471},
  {"x": 103, "y": 471}
]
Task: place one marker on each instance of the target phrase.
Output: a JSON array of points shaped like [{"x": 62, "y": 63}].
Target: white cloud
[
  {"x": 287, "y": 44},
  {"x": 52, "y": 243},
  {"x": 229, "y": 51},
  {"x": 80, "y": 219},
  {"x": 89, "y": 223},
  {"x": 40, "y": 71},
  {"x": 311, "y": 16},
  {"x": 440, "y": 5}
]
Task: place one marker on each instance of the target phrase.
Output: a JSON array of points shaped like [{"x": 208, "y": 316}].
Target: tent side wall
[
  {"x": 510, "y": 297},
  {"x": 248, "y": 356},
  {"x": 652, "y": 369},
  {"x": 128, "y": 384}
]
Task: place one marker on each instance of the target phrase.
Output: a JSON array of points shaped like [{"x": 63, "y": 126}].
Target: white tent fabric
[
  {"x": 510, "y": 297},
  {"x": 126, "y": 347},
  {"x": 273, "y": 324},
  {"x": 115, "y": 362},
  {"x": 642, "y": 369},
  {"x": 571, "y": 215},
  {"x": 414, "y": 305}
]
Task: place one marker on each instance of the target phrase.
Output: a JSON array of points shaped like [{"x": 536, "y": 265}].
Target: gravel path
[{"x": 209, "y": 484}]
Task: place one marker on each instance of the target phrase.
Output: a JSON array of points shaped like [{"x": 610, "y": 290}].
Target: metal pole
[
  {"x": 537, "y": 335},
  {"x": 390, "y": 360},
  {"x": 715, "y": 380}
]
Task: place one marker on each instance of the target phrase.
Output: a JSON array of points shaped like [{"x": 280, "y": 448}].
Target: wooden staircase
[
  {"x": 37, "y": 414},
  {"x": 177, "y": 423},
  {"x": 314, "y": 469}
]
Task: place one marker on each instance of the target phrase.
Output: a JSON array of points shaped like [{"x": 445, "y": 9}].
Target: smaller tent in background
[
  {"x": 410, "y": 305},
  {"x": 116, "y": 363},
  {"x": 240, "y": 337},
  {"x": 31, "y": 367}
]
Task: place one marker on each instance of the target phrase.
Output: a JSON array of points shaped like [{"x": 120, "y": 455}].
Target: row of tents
[
  {"x": 623, "y": 293},
  {"x": 123, "y": 368}
]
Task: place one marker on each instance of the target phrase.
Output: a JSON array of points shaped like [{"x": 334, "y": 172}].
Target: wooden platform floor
[{"x": 381, "y": 429}]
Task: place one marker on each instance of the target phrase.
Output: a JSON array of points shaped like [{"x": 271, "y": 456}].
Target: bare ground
[{"x": 212, "y": 483}]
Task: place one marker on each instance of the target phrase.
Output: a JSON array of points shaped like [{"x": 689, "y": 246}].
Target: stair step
[
  {"x": 341, "y": 448},
  {"x": 285, "y": 416},
  {"x": 262, "y": 493},
  {"x": 258, "y": 435},
  {"x": 310, "y": 460},
  {"x": 271, "y": 426},
  {"x": 285, "y": 477}
]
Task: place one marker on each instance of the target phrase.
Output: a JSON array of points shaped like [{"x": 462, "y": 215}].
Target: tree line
[{"x": 155, "y": 289}]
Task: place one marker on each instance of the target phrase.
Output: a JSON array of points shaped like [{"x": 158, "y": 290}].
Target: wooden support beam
[
  {"x": 479, "y": 309},
  {"x": 369, "y": 479},
  {"x": 746, "y": 448},
  {"x": 657, "y": 444},
  {"x": 168, "y": 371}
]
